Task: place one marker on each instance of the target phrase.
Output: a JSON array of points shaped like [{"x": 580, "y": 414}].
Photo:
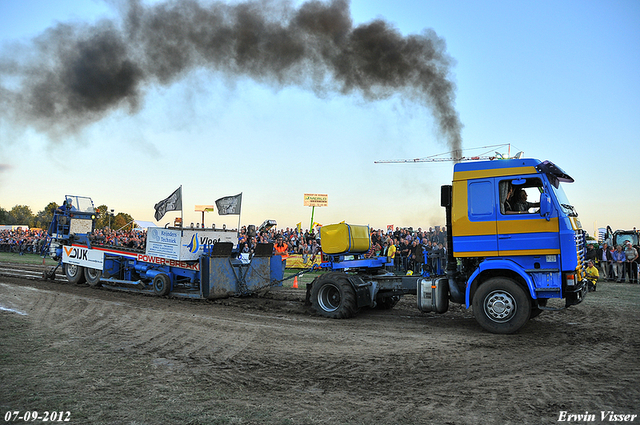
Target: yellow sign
[
  {"x": 315, "y": 200},
  {"x": 204, "y": 208}
]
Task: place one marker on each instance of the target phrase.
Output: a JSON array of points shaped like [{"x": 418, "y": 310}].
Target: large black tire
[
  {"x": 333, "y": 296},
  {"x": 75, "y": 274},
  {"x": 501, "y": 306},
  {"x": 92, "y": 276},
  {"x": 161, "y": 284}
]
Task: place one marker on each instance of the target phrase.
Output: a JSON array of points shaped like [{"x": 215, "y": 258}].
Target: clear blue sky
[{"x": 559, "y": 80}]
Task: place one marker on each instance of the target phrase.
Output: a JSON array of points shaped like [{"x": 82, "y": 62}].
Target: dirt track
[{"x": 118, "y": 358}]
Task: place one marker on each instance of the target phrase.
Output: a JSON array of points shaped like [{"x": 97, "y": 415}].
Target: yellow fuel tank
[{"x": 345, "y": 238}]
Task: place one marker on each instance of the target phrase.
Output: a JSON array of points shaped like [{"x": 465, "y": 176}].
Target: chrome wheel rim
[
  {"x": 329, "y": 298},
  {"x": 500, "y": 306}
]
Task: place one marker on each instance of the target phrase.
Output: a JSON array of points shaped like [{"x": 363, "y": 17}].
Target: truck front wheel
[
  {"x": 333, "y": 296},
  {"x": 501, "y": 306},
  {"x": 75, "y": 274}
]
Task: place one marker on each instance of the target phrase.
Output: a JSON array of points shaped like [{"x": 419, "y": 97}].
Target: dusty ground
[{"x": 119, "y": 358}]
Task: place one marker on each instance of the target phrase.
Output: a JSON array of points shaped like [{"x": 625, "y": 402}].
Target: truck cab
[{"x": 513, "y": 229}]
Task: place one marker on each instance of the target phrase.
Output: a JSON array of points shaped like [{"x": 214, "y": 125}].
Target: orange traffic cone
[{"x": 295, "y": 282}]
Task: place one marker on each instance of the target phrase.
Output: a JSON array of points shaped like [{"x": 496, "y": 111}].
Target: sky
[{"x": 558, "y": 80}]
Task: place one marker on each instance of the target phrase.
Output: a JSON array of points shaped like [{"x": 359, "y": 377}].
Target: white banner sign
[
  {"x": 164, "y": 243},
  {"x": 84, "y": 257},
  {"x": 184, "y": 245}
]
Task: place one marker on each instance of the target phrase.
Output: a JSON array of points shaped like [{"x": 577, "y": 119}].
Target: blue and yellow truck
[{"x": 514, "y": 242}]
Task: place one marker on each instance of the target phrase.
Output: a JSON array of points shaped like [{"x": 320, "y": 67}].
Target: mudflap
[
  {"x": 363, "y": 295},
  {"x": 576, "y": 296}
]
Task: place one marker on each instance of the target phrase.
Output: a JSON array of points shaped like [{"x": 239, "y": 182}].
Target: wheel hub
[
  {"x": 72, "y": 269},
  {"x": 500, "y": 306},
  {"x": 329, "y": 298}
]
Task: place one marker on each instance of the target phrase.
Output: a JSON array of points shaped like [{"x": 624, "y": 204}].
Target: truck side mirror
[
  {"x": 545, "y": 206},
  {"x": 446, "y": 193}
]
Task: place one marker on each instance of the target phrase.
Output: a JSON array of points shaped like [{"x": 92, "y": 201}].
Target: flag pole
[
  {"x": 181, "y": 209},
  {"x": 313, "y": 209},
  {"x": 239, "y": 214}
]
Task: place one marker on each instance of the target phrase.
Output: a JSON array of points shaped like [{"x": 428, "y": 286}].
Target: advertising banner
[
  {"x": 297, "y": 261},
  {"x": 81, "y": 256},
  {"x": 186, "y": 244},
  {"x": 163, "y": 242},
  {"x": 195, "y": 240},
  {"x": 316, "y": 200}
]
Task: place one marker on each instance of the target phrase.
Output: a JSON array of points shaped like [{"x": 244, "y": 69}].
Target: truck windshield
[
  {"x": 622, "y": 238},
  {"x": 81, "y": 203},
  {"x": 563, "y": 201}
]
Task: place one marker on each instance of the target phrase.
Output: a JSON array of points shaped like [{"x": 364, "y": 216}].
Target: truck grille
[{"x": 581, "y": 249}]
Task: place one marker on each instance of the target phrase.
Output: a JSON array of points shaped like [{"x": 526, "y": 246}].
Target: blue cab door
[{"x": 521, "y": 230}]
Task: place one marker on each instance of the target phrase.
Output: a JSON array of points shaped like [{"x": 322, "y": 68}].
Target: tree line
[{"x": 21, "y": 215}]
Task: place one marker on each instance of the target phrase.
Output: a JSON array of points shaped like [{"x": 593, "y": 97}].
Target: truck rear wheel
[
  {"x": 333, "y": 296},
  {"x": 92, "y": 276},
  {"x": 75, "y": 274},
  {"x": 501, "y": 306},
  {"x": 161, "y": 284}
]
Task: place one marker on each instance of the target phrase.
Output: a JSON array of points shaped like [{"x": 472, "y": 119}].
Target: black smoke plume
[{"x": 74, "y": 74}]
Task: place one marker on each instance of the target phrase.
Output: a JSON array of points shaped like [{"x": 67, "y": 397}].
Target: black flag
[
  {"x": 229, "y": 205},
  {"x": 172, "y": 203}
]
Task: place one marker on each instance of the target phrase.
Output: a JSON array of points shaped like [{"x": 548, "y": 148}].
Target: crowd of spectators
[
  {"x": 619, "y": 263},
  {"x": 132, "y": 239},
  {"x": 35, "y": 241},
  {"x": 304, "y": 243},
  {"x": 23, "y": 241},
  {"x": 414, "y": 251},
  {"x": 405, "y": 248}
]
